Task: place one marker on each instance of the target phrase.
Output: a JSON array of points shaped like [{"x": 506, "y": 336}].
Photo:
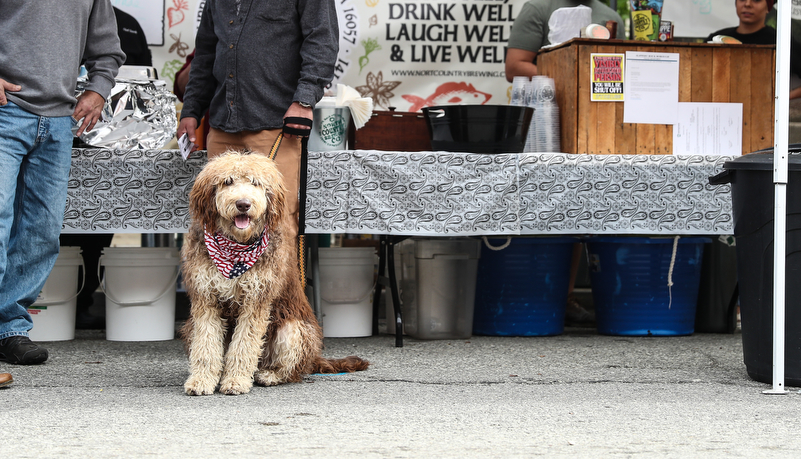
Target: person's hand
[
  {"x": 188, "y": 126},
  {"x": 6, "y": 86},
  {"x": 90, "y": 105},
  {"x": 302, "y": 112}
]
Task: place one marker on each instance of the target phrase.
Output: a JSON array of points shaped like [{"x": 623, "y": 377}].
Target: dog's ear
[
  {"x": 276, "y": 198},
  {"x": 202, "y": 204}
]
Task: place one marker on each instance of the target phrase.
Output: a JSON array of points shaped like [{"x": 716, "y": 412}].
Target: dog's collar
[{"x": 232, "y": 258}]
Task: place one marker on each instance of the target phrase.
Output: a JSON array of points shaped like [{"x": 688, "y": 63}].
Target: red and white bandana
[{"x": 231, "y": 257}]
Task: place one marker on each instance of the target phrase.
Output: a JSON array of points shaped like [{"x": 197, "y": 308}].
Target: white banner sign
[{"x": 415, "y": 53}]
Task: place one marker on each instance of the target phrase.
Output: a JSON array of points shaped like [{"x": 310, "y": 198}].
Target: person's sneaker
[
  {"x": 576, "y": 315},
  {"x": 21, "y": 351},
  {"x": 6, "y": 380}
]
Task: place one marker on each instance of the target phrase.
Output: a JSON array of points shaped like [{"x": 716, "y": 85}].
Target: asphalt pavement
[{"x": 579, "y": 394}]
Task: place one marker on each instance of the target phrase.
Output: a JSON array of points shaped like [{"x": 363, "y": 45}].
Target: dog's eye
[
  {"x": 229, "y": 181},
  {"x": 254, "y": 182}
]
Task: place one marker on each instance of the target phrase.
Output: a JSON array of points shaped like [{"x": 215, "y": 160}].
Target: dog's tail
[{"x": 347, "y": 365}]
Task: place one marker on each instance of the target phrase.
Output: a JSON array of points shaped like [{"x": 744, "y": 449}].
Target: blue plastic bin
[
  {"x": 522, "y": 289},
  {"x": 629, "y": 277}
]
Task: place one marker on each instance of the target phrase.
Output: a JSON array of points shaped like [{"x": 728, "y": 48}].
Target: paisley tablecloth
[
  {"x": 130, "y": 191},
  {"x": 453, "y": 194},
  {"x": 426, "y": 193}
]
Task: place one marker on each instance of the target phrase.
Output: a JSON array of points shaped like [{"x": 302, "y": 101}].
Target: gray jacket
[
  {"x": 250, "y": 67},
  {"x": 43, "y": 43}
]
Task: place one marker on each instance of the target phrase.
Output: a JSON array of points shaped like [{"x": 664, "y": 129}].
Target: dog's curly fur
[{"x": 258, "y": 326}]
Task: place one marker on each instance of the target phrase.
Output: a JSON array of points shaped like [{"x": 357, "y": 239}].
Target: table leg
[{"x": 393, "y": 287}]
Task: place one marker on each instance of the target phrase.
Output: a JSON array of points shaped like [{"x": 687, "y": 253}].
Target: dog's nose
[{"x": 243, "y": 205}]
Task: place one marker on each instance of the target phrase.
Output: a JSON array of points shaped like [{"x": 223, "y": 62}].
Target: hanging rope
[
  {"x": 500, "y": 247},
  {"x": 670, "y": 270}
]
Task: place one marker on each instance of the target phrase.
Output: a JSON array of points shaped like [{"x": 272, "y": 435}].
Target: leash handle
[{"x": 297, "y": 131}]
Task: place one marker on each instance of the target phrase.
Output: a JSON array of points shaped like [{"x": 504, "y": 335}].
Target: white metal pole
[{"x": 780, "y": 140}]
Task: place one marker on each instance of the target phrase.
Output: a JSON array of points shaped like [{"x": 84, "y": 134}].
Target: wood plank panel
[
  {"x": 645, "y": 139},
  {"x": 685, "y": 74},
  {"x": 762, "y": 77},
  {"x": 721, "y": 74},
  {"x": 740, "y": 81},
  {"x": 625, "y": 133},
  {"x": 587, "y": 113},
  {"x": 702, "y": 75}
]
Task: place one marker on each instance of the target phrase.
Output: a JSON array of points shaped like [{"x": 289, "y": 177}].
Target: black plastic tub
[{"x": 478, "y": 128}]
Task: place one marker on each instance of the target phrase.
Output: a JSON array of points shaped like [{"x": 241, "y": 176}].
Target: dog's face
[{"x": 239, "y": 195}]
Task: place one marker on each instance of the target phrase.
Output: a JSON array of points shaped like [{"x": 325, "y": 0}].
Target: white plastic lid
[{"x": 327, "y": 102}]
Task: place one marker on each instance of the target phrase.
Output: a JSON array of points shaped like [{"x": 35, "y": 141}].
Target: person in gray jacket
[
  {"x": 41, "y": 49},
  {"x": 255, "y": 64}
]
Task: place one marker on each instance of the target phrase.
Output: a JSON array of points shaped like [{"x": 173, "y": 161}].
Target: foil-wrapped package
[{"x": 139, "y": 114}]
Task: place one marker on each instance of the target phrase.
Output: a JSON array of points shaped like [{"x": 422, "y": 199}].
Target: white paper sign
[
  {"x": 708, "y": 129},
  {"x": 652, "y": 88},
  {"x": 186, "y": 146}
]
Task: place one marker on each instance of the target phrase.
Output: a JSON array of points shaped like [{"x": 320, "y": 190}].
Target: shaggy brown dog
[{"x": 257, "y": 325}]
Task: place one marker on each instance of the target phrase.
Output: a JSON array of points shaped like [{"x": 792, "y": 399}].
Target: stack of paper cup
[
  {"x": 519, "y": 91},
  {"x": 543, "y": 133}
]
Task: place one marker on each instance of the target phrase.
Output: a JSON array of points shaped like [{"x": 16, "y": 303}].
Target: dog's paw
[
  {"x": 235, "y": 386},
  {"x": 194, "y": 386},
  {"x": 267, "y": 378}
]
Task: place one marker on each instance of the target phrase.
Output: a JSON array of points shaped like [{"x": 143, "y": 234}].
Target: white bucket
[
  {"x": 53, "y": 312},
  {"x": 346, "y": 284},
  {"x": 139, "y": 283}
]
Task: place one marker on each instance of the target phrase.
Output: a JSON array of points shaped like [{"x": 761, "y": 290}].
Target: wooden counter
[{"x": 707, "y": 73}]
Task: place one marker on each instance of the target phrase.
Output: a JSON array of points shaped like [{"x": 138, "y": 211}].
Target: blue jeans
[{"x": 35, "y": 157}]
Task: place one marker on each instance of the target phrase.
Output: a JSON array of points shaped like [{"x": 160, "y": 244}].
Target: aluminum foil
[{"x": 139, "y": 114}]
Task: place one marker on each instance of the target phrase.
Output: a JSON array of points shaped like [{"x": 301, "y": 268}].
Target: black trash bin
[{"x": 753, "y": 198}]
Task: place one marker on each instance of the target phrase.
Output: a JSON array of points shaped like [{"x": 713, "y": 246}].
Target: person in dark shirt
[
  {"x": 134, "y": 44},
  {"x": 132, "y": 39},
  {"x": 255, "y": 70},
  {"x": 752, "y": 29}
]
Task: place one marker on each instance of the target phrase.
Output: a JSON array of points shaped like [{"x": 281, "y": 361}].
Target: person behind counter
[
  {"x": 530, "y": 32},
  {"x": 134, "y": 45},
  {"x": 752, "y": 29},
  {"x": 41, "y": 49}
]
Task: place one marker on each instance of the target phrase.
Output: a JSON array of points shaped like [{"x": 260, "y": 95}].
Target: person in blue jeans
[{"x": 41, "y": 49}]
